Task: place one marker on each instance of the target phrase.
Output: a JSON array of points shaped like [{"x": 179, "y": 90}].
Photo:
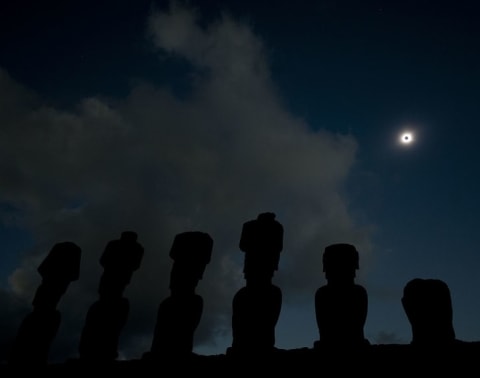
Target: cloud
[
  {"x": 387, "y": 338},
  {"x": 14, "y": 309},
  {"x": 160, "y": 165}
]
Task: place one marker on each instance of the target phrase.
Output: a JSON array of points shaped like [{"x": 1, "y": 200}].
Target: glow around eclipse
[{"x": 406, "y": 138}]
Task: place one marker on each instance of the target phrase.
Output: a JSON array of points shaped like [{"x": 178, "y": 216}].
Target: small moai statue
[
  {"x": 256, "y": 306},
  {"x": 341, "y": 305},
  {"x": 39, "y": 328},
  {"x": 428, "y": 306},
  {"x": 108, "y": 315},
  {"x": 179, "y": 315}
]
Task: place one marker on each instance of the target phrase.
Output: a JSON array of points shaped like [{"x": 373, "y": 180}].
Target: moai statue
[
  {"x": 39, "y": 328},
  {"x": 341, "y": 305},
  {"x": 428, "y": 306},
  {"x": 180, "y": 313},
  {"x": 256, "y": 307},
  {"x": 107, "y": 316}
]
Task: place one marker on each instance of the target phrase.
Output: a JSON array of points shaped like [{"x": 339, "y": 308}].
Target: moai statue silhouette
[
  {"x": 341, "y": 305},
  {"x": 256, "y": 307},
  {"x": 179, "y": 315},
  {"x": 107, "y": 316},
  {"x": 428, "y": 306},
  {"x": 39, "y": 328}
]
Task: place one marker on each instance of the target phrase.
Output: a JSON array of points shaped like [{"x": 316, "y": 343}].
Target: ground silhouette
[{"x": 340, "y": 308}]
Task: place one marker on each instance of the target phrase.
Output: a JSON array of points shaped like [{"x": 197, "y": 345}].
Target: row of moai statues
[
  {"x": 105, "y": 318},
  {"x": 178, "y": 315},
  {"x": 341, "y": 304}
]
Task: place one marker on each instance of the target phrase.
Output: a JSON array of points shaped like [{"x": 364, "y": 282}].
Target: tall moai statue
[
  {"x": 256, "y": 306},
  {"x": 341, "y": 305},
  {"x": 428, "y": 306},
  {"x": 108, "y": 315},
  {"x": 179, "y": 315},
  {"x": 39, "y": 328}
]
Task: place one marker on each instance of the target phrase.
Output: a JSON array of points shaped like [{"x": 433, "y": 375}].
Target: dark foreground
[{"x": 462, "y": 359}]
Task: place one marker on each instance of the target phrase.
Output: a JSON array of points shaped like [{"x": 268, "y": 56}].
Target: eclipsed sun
[{"x": 406, "y": 137}]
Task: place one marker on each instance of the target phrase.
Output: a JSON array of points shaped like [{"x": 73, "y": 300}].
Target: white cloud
[{"x": 160, "y": 165}]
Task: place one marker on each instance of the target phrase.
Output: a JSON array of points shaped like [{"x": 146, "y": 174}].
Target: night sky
[{"x": 163, "y": 117}]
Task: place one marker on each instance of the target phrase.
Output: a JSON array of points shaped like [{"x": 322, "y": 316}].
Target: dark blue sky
[{"x": 366, "y": 69}]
